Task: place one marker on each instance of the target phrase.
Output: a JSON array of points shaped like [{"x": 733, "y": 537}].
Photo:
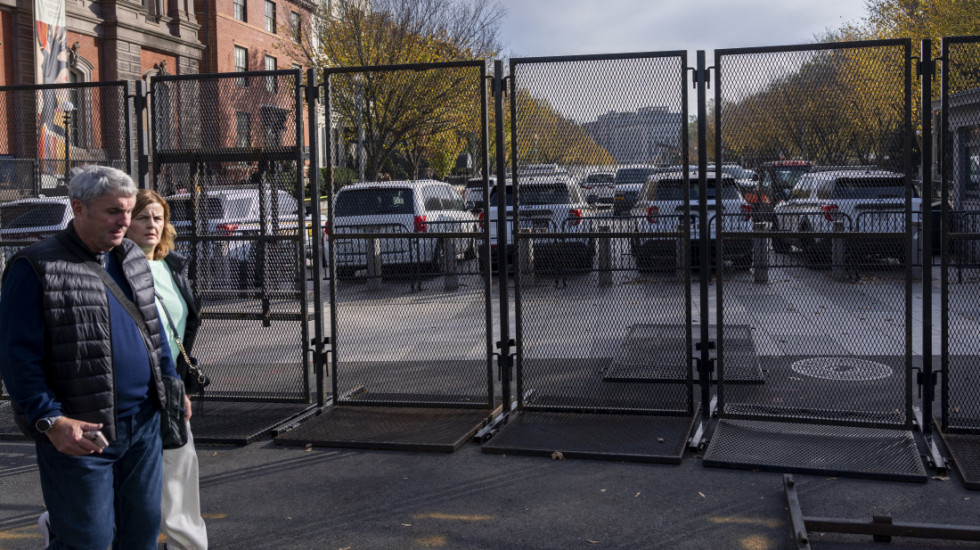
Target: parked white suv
[
  {"x": 868, "y": 201},
  {"x": 548, "y": 204},
  {"x": 421, "y": 207},
  {"x": 26, "y": 221},
  {"x": 237, "y": 213},
  {"x": 659, "y": 209}
]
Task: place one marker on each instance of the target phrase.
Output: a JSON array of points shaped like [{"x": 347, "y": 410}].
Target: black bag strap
[{"x": 173, "y": 328}]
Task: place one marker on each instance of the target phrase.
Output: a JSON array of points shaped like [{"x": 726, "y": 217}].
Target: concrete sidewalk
[{"x": 269, "y": 496}]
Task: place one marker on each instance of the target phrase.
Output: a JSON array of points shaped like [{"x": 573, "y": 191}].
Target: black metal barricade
[
  {"x": 410, "y": 300},
  {"x": 228, "y": 154},
  {"x": 959, "y": 128},
  {"x": 827, "y": 303},
  {"x": 45, "y": 132},
  {"x": 602, "y": 292}
]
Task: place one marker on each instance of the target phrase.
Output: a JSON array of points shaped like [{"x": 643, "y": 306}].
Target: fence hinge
[
  {"x": 927, "y": 66},
  {"x": 699, "y": 76},
  {"x": 502, "y": 83},
  {"x": 500, "y": 344}
]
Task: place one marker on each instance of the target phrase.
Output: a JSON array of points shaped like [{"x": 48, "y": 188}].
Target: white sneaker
[{"x": 44, "y": 527}]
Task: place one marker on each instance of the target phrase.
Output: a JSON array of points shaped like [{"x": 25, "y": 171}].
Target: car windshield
[
  {"x": 787, "y": 177},
  {"x": 600, "y": 178},
  {"x": 870, "y": 188},
  {"x": 181, "y": 209},
  {"x": 673, "y": 189},
  {"x": 368, "y": 202},
  {"x": 633, "y": 175},
  {"x": 536, "y": 194},
  {"x": 19, "y": 216}
]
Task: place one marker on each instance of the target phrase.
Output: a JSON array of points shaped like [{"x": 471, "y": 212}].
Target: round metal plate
[{"x": 842, "y": 368}]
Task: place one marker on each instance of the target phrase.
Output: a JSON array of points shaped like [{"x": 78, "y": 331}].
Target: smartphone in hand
[{"x": 95, "y": 436}]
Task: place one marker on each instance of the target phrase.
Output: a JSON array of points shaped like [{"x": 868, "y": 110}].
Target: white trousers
[{"x": 180, "y": 509}]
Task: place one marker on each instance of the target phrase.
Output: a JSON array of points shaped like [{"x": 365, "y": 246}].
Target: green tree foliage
[
  {"x": 545, "y": 136},
  {"x": 841, "y": 106},
  {"x": 410, "y": 118}
]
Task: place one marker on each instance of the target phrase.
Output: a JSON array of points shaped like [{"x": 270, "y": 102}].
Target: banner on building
[{"x": 51, "y": 66}]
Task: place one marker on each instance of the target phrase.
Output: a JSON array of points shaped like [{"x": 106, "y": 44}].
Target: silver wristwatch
[{"x": 45, "y": 424}]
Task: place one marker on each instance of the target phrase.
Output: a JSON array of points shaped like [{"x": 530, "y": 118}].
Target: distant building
[{"x": 651, "y": 135}]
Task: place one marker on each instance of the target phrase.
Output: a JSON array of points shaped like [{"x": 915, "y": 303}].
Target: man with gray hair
[{"x": 83, "y": 359}]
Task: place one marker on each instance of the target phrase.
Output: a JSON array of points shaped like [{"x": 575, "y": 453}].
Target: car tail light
[
  {"x": 828, "y": 212},
  {"x": 480, "y": 217},
  {"x": 228, "y": 228},
  {"x": 420, "y": 225},
  {"x": 652, "y": 213},
  {"x": 747, "y": 210},
  {"x": 326, "y": 231},
  {"x": 575, "y": 215}
]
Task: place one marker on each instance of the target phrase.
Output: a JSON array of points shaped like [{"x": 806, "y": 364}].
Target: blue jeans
[{"x": 111, "y": 498}]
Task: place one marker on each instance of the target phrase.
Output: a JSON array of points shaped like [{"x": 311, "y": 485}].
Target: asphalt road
[{"x": 269, "y": 496}]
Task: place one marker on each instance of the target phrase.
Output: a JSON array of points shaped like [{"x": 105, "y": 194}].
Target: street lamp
[{"x": 70, "y": 113}]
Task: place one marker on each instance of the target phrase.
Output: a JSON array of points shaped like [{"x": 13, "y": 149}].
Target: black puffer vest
[{"x": 78, "y": 363}]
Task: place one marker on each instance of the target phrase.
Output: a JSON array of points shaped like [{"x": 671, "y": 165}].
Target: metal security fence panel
[
  {"x": 411, "y": 290},
  {"x": 45, "y": 131},
  {"x": 825, "y": 230},
  {"x": 960, "y": 171},
  {"x": 598, "y": 233},
  {"x": 228, "y": 156}
]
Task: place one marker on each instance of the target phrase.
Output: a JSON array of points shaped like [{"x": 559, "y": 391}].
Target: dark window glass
[
  {"x": 180, "y": 209},
  {"x": 19, "y": 216},
  {"x": 870, "y": 188},
  {"x": 367, "y": 202}
]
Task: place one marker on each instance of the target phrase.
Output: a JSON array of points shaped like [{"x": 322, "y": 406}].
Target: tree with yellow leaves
[{"x": 405, "y": 119}]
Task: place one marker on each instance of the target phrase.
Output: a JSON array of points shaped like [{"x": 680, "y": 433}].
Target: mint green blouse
[{"x": 169, "y": 297}]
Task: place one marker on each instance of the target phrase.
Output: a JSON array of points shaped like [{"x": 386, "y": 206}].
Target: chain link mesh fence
[
  {"x": 960, "y": 169},
  {"x": 824, "y": 293},
  {"x": 45, "y": 132},
  {"x": 228, "y": 157},
  {"x": 602, "y": 287},
  {"x": 410, "y": 296}
]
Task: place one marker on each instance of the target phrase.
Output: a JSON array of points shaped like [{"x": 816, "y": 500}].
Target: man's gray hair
[{"x": 91, "y": 182}]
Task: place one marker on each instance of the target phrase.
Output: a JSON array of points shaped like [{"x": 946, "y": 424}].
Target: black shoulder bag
[{"x": 194, "y": 378}]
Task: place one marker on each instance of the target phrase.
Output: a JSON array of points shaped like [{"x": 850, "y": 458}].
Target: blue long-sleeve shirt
[{"x": 22, "y": 346}]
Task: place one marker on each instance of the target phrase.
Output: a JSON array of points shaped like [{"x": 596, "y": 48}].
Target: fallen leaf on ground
[{"x": 557, "y": 455}]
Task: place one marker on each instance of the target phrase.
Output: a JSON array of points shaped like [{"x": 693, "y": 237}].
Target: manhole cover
[{"x": 842, "y": 368}]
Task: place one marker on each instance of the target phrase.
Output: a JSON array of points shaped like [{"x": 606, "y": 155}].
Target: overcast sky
[{"x": 572, "y": 27}]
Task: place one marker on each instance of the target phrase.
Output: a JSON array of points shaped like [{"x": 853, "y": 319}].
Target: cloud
[{"x": 572, "y": 27}]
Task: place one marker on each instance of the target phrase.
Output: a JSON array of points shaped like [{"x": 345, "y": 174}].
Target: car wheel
[
  {"x": 470, "y": 250},
  {"x": 742, "y": 263},
  {"x": 781, "y": 246}
]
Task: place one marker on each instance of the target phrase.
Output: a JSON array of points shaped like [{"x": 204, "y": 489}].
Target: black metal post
[
  {"x": 925, "y": 236},
  {"x": 505, "y": 362},
  {"x": 704, "y": 364},
  {"x": 319, "y": 362},
  {"x": 142, "y": 139}
]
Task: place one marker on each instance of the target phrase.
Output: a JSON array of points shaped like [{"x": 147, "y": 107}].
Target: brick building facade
[
  {"x": 124, "y": 40},
  {"x": 132, "y": 41}
]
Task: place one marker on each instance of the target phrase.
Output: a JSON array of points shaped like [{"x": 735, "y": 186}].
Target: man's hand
[
  {"x": 66, "y": 435},
  {"x": 187, "y": 408}
]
